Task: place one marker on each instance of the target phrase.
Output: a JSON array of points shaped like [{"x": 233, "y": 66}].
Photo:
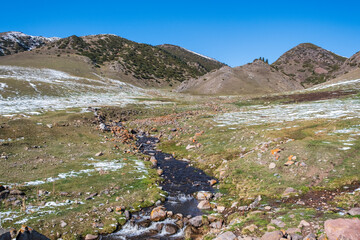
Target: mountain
[
  {"x": 253, "y": 78},
  {"x": 309, "y": 64},
  {"x": 206, "y": 64},
  {"x": 115, "y": 57},
  {"x": 350, "y": 64},
  {"x": 15, "y": 42}
]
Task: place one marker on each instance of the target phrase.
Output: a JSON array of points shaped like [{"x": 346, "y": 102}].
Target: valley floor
[{"x": 297, "y": 158}]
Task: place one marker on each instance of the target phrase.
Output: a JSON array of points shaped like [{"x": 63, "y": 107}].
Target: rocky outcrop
[
  {"x": 15, "y": 42},
  {"x": 309, "y": 64}
]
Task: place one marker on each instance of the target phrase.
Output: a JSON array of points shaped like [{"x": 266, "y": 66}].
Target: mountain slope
[
  {"x": 349, "y": 65},
  {"x": 205, "y": 63},
  {"x": 15, "y": 42},
  {"x": 253, "y": 78},
  {"x": 309, "y": 64},
  {"x": 115, "y": 57}
]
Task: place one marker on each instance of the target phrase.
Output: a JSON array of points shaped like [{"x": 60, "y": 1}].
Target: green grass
[{"x": 68, "y": 146}]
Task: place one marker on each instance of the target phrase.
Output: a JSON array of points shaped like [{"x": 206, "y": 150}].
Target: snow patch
[
  {"x": 326, "y": 109},
  {"x": 3, "y": 86}
]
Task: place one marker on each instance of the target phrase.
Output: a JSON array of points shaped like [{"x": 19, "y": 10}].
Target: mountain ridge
[
  {"x": 168, "y": 65},
  {"x": 137, "y": 63}
]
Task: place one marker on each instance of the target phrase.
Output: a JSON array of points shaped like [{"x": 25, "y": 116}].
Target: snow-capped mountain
[{"x": 14, "y": 42}]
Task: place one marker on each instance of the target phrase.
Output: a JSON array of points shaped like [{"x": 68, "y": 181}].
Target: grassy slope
[
  {"x": 243, "y": 178},
  {"x": 70, "y": 63},
  {"x": 67, "y": 146}
]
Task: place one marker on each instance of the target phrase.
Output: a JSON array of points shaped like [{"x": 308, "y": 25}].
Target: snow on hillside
[
  {"x": 52, "y": 90},
  {"x": 200, "y": 55},
  {"x": 347, "y": 83},
  {"x": 28, "y": 42}
]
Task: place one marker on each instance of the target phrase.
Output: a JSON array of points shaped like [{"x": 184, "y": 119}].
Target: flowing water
[{"x": 181, "y": 181}]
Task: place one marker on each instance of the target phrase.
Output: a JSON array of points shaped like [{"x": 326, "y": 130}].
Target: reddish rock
[
  {"x": 277, "y": 235},
  {"x": 204, "y": 204},
  {"x": 212, "y": 182},
  {"x": 340, "y": 228},
  {"x": 158, "y": 214},
  {"x": 226, "y": 236}
]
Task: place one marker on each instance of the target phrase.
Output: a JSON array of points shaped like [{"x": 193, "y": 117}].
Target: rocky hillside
[
  {"x": 15, "y": 42},
  {"x": 206, "y": 64},
  {"x": 252, "y": 78},
  {"x": 309, "y": 64},
  {"x": 115, "y": 57},
  {"x": 350, "y": 64}
]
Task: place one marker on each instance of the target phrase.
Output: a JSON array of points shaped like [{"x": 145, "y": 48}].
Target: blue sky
[{"x": 233, "y": 32}]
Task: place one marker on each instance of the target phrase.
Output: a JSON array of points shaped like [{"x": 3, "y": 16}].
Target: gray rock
[
  {"x": 310, "y": 236},
  {"x": 226, "y": 236},
  {"x": 256, "y": 202},
  {"x": 204, "y": 205},
  {"x": 196, "y": 221},
  {"x": 277, "y": 235},
  {"x": 354, "y": 211},
  {"x": 216, "y": 225},
  {"x": 127, "y": 214},
  {"x": 288, "y": 191},
  {"x": 296, "y": 237},
  {"x": 91, "y": 237},
  {"x": 171, "y": 229},
  {"x": 63, "y": 224},
  {"x": 278, "y": 223}
]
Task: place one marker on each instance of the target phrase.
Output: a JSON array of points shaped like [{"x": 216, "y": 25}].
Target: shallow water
[{"x": 181, "y": 181}]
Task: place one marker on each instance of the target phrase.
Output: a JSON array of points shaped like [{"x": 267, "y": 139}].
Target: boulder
[
  {"x": 226, "y": 236},
  {"x": 278, "y": 223},
  {"x": 204, "y": 195},
  {"x": 277, "y": 235},
  {"x": 196, "y": 221},
  {"x": 216, "y": 225},
  {"x": 171, "y": 229},
  {"x": 272, "y": 165},
  {"x": 91, "y": 237},
  {"x": 220, "y": 209},
  {"x": 296, "y": 237},
  {"x": 16, "y": 192},
  {"x": 153, "y": 161},
  {"x": 310, "y": 236},
  {"x": 343, "y": 229},
  {"x": 99, "y": 154},
  {"x": 158, "y": 214},
  {"x": 63, "y": 224},
  {"x": 204, "y": 205},
  {"x": 288, "y": 191},
  {"x": 303, "y": 223},
  {"x": 212, "y": 182},
  {"x": 255, "y": 203},
  {"x": 354, "y": 211},
  {"x": 250, "y": 228}
]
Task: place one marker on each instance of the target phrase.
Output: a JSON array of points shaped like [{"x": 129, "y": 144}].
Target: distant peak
[{"x": 308, "y": 45}]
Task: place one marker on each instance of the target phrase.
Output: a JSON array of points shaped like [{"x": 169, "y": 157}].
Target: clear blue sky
[{"x": 234, "y": 32}]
